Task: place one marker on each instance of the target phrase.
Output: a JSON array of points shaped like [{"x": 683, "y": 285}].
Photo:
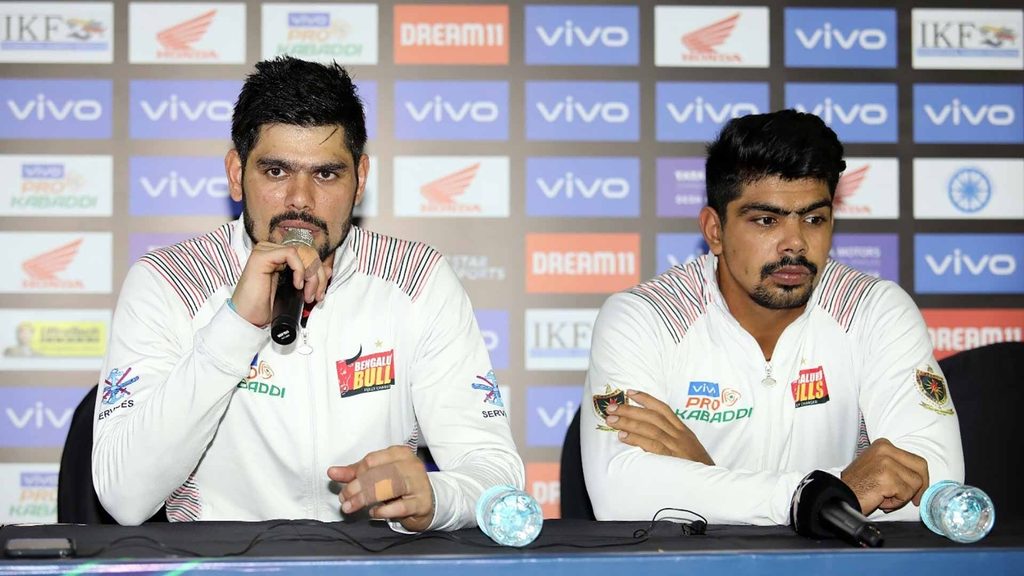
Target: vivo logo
[
  {"x": 440, "y": 110},
  {"x": 870, "y": 114},
  {"x": 494, "y": 330},
  {"x": 956, "y": 113},
  {"x": 828, "y": 38},
  {"x": 959, "y": 263},
  {"x": 709, "y": 389},
  {"x": 42, "y": 171},
  {"x": 560, "y": 417},
  {"x": 39, "y": 417},
  {"x": 570, "y": 110},
  {"x": 572, "y": 186},
  {"x": 175, "y": 185},
  {"x": 43, "y": 108},
  {"x": 570, "y": 34},
  {"x": 174, "y": 108},
  {"x": 309, "y": 19},
  {"x": 700, "y": 110}
]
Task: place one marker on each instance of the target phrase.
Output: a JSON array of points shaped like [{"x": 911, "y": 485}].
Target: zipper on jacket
[{"x": 305, "y": 350}]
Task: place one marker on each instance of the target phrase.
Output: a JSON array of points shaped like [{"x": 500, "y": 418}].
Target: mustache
[
  {"x": 770, "y": 269},
  {"x": 301, "y": 216}
]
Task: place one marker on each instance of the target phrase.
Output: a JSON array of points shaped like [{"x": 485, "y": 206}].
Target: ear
[
  {"x": 233, "y": 168},
  {"x": 711, "y": 228},
  {"x": 363, "y": 170}
]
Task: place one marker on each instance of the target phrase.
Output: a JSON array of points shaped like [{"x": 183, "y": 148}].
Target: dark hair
[
  {"x": 287, "y": 90},
  {"x": 789, "y": 144}
]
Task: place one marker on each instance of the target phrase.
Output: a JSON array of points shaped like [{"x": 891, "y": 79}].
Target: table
[{"x": 564, "y": 547}]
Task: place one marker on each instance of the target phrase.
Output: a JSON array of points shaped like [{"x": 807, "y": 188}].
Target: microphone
[
  {"x": 824, "y": 506},
  {"x": 288, "y": 302}
]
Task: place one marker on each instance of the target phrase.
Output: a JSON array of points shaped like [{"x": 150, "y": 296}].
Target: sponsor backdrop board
[{"x": 552, "y": 152}]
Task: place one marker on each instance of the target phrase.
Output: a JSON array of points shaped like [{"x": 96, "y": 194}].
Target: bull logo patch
[{"x": 611, "y": 396}]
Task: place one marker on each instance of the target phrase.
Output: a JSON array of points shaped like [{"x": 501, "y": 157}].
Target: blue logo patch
[
  {"x": 584, "y": 111},
  {"x": 180, "y": 185},
  {"x": 583, "y": 35},
  {"x": 494, "y": 330},
  {"x": 37, "y": 416},
  {"x": 566, "y": 186},
  {"x": 182, "y": 109},
  {"x": 841, "y": 38},
  {"x": 550, "y": 409},
  {"x": 968, "y": 263},
  {"x": 451, "y": 110},
  {"x": 696, "y": 111},
  {"x": 857, "y": 112},
  {"x": 676, "y": 249},
  {"x": 115, "y": 387},
  {"x": 709, "y": 389},
  {"x": 968, "y": 113},
  {"x": 489, "y": 385},
  {"x": 970, "y": 189},
  {"x": 55, "y": 109}
]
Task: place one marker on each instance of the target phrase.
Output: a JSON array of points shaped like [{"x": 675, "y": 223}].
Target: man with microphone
[
  {"x": 288, "y": 364},
  {"x": 720, "y": 385}
]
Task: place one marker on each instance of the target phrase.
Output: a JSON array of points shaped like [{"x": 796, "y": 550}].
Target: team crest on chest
[{"x": 369, "y": 373}]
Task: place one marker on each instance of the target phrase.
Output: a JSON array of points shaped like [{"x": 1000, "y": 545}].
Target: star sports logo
[
  {"x": 441, "y": 194},
  {"x": 847, "y": 188},
  {"x": 177, "y": 40},
  {"x": 42, "y": 270},
  {"x": 702, "y": 42}
]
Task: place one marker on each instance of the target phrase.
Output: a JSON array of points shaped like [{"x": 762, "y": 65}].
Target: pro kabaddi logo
[
  {"x": 258, "y": 381},
  {"x": 709, "y": 402},
  {"x": 366, "y": 373}
]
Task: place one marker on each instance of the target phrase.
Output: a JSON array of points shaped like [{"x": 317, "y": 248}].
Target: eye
[
  {"x": 816, "y": 220},
  {"x": 326, "y": 175},
  {"x": 275, "y": 172},
  {"x": 764, "y": 221}
]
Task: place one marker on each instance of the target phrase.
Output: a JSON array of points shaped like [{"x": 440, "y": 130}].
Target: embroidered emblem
[
  {"x": 611, "y": 397},
  {"x": 933, "y": 387}
]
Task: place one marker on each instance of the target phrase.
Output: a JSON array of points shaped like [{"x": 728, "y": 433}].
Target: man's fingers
[
  {"x": 341, "y": 473},
  {"x": 645, "y": 443}
]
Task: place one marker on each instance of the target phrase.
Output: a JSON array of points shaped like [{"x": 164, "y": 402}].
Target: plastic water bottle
[
  {"x": 959, "y": 512},
  {"x": 509, "y": 516}
]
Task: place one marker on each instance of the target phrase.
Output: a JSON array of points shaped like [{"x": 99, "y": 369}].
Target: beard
[
  {"x": 784, "y": 297},
  {"x": 324, "y": 250}
]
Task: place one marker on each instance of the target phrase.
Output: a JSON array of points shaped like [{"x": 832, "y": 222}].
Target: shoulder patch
[
  {"x": 197, "y": 267},
  {"x": 842, "y": 291},
  {"x": 679, "y": 296},
  {"x": 402, "y": 262}
]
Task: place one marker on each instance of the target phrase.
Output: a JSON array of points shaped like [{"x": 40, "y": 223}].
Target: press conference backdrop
[{"x": 565, "y": 140}]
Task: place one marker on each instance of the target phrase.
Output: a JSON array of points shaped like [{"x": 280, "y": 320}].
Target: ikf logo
[
  {"x": 56, "y": 262},
  {"x": 968, "y": 263},
  {"x": 550, "y": 411},
  {"x": 582, "y": 35},
  {"x": 544, "y": 483},
  {"x": 681, "y": 189},
  {"x": 321, "y": 32},
  {"x": 140, "y": 244},
  {"x": 967, "y": 39},
  {"x": 173, "y": 33},
  {"x": 494, "y": 329},
  {"x": 589, "y": 111},
  {"x": 703, "y": 36},
  {"x": 977, "y": 188},
  {"x": 55, "y": 109},
  {"x": 696, "y": 111},
  {"x": 577, "y": 186},
  {"x": 581, "y": 263},
  {"x": 37, "y": 416},
  {"x": 559, "y": 338},
  {"x": 180, "y": 185},
  {"x": 857, "y": 112},
  {"x": 873, "y": 254},
  {"x": 56, "y": 186},
  {"x": 451, "y": 110},
  {"x": 451, "y": 34},
  {"x": 451, "y": 186},
  {"x": 868, "y": 189},
  {"x": 678, "y": 249},
  {"x": 841, "y": 38},
  {"x": 182, "y": 109},
  {"x": 955, "y": 330},
  {"x": 75, "y": 32},
  {"x": 968, "y": 113}
]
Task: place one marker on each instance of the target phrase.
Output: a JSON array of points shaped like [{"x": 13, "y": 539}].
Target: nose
[
  {"x": 793, "y": 240},
  {"x": 300, "y": 194}
]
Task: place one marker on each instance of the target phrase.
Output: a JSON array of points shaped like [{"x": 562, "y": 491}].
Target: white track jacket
[
  {"x": 201, "y": 411},
  {"x": 856, "y": 365}
]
